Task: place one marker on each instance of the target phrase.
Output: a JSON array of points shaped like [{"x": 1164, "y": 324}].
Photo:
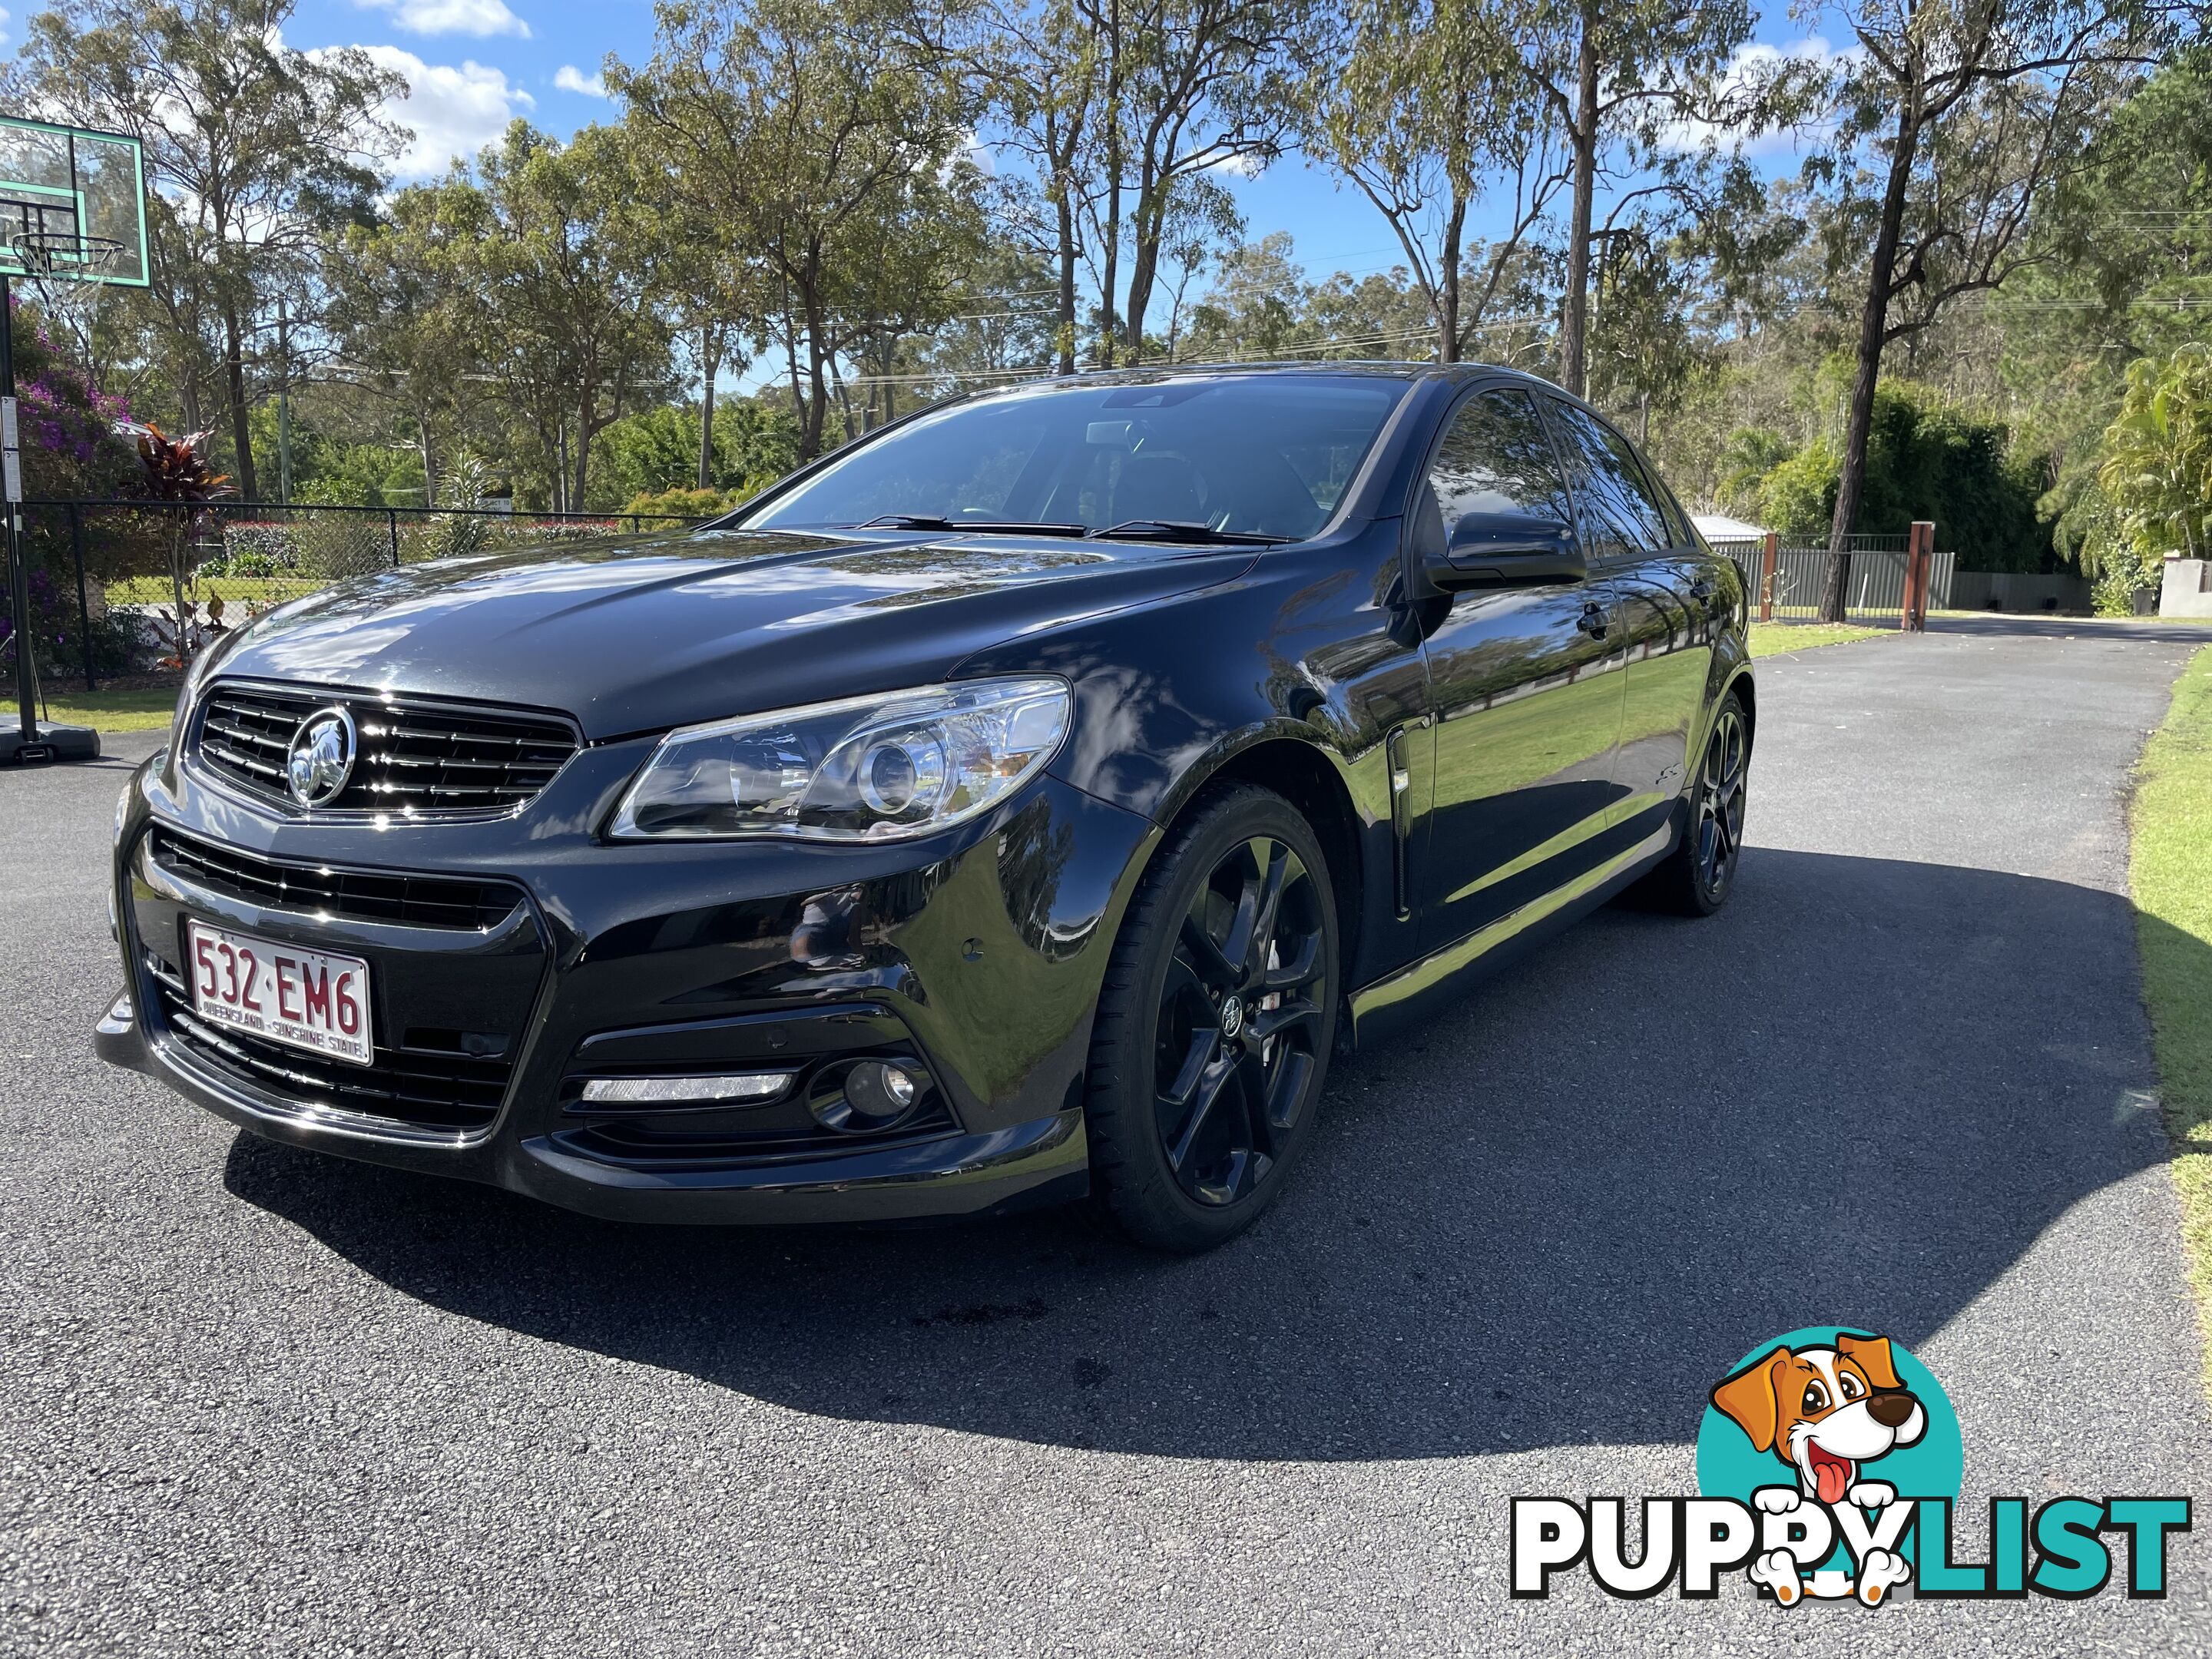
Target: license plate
[{"x": 312, "y": 1000}]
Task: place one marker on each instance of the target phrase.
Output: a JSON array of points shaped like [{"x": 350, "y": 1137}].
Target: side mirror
[{"x": 1509, "y": 550}]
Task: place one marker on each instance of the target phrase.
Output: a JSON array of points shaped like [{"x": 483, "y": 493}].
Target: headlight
[{"x": 861, "y": 769}]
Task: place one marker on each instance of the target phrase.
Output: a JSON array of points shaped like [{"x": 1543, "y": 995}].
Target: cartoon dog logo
[{"x": 1827, "y": 1412}]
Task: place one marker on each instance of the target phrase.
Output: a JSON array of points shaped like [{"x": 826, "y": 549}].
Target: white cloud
[
  {"x": 1248, "y": 166},
  {"x": 452, "y": 112},
  {"x": 476, "y": 17},
  {"x": 569, "y": 78},
  {"x": 1756, "y": 65}
]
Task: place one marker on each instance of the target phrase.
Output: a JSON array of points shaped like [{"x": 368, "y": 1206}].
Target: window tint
[
  {"x": 1679, "y": 533},
  {"x": 1619, "y": 517},
  {"x": 1498, "y": 458}
]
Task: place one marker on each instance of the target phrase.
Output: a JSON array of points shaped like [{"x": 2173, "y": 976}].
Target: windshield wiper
[
  {"x": 994, "y": 527},
  {"x": 1182, "y": 530}
]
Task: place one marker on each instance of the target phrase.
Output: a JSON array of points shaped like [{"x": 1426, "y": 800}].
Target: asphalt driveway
[{"x": 252, "y": 1400}]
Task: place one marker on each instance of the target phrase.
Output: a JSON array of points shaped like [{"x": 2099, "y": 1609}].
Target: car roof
[{"x": 1153, "y": 374}]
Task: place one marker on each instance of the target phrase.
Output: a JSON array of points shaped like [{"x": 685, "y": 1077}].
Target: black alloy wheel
[
  {"x": 1717, "y": 828},
  {"x": 1215, "y": 1026},
  {"x": 1237, "y": 1022},
  {"x": 1696, "y": 878}
]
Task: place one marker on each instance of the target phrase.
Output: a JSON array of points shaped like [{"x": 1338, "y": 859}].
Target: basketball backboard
[{"x": 72, "y": 204}]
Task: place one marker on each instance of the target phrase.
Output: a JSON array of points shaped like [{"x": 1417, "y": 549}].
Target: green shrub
[
  {"x": 2122, "y": 570},
  {"x": 251, "y": 549},
  {"x": 689, "y": 503}
]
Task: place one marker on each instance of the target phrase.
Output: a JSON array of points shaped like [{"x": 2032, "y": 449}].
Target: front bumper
[{"x": 977, "y": 954}]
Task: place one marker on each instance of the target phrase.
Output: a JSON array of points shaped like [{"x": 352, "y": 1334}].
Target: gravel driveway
[{"x": 257, "y": 1400}]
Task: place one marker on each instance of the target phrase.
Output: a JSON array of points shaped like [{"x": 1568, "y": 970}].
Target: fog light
[
  {"x": 739, "y": 1087},
  {"x": 871, "y": 1094}
]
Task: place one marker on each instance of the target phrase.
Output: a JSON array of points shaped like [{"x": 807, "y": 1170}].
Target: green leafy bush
[
  {"x": 689, "y": 503},
  {"x": 253, "y": 549}
]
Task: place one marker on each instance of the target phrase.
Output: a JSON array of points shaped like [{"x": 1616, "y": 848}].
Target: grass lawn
[
  {"x": 2171, "y": 878},
  {"x": 1772, "y": 639},
  {"x": 114, "y": 711}
]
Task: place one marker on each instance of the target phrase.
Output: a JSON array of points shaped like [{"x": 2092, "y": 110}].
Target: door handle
[
  {"x": 1592, "y": 621},
  {"x": 1701, "y": 590}
]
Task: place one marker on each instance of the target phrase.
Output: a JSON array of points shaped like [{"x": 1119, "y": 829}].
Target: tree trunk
[
  {"x": 709, "y": 360},
  {"x": 241, "y": 438},
  {"x": 1066, "y": 281},
  {"x": 1874, "y": 324},
  {"x": 585, "y": 431},
  {"x": 1575, "y": 313},
  {"x": 427, "y": 447},
  {"x": 818, "y": 401},
  {"x": 791, "y": 361},
  {"x": 844, "y": 400},
  {"x": 1111, "y": 262},
  {"x": 1448, "y": 282},
  {"x": 1144, "y": 270}
]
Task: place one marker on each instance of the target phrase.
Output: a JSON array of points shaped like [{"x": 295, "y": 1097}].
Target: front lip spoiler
[{"x": 1042, "y": 1161}]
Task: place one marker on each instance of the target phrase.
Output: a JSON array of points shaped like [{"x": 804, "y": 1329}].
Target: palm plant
[
  {"x": 177, "y": 471},
  {"x": 2157, "y": 470}
]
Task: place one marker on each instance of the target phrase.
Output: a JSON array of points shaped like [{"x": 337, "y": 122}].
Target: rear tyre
[
  {"x": 1697, "y": 877},
  {"x": 1215, "y": 1024}
]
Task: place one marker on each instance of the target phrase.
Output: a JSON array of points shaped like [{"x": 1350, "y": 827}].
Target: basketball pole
[{"x": 18, "y": 574}]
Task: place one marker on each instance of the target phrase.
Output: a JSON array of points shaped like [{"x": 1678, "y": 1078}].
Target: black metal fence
[
  {"x": 1873, "y": 590},
  {"x": 119, "y": 586}
]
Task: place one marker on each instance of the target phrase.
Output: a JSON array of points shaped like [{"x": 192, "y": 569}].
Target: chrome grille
[
  {"x": 415, "y": 756},
  {"x": 356, "y": 894}
]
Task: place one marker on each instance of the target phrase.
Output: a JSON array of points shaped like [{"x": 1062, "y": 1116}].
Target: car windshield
[{"x": 1241, "y": 456}]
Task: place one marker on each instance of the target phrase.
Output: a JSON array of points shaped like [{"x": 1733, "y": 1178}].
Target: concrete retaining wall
[{"x": 2187, "y": 590}]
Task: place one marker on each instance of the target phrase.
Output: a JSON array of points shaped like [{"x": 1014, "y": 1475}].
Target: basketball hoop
[
  {"x": 44, "y": 253},
  {"x": 72, "y": 220}
]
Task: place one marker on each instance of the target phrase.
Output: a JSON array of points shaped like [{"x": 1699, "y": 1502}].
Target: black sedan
[{"x": 1024, "y": 802}]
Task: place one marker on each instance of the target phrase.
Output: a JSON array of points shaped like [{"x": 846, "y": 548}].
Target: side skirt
[{"x": 1442, "y": 976}]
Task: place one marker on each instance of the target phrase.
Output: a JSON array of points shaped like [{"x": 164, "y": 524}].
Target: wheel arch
[
  {"x": 1310, "y": 778},
  {"x": 1747, "y": 692}
]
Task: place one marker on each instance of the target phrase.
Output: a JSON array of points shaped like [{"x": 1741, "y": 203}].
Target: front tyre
[{"x": 1215, "y": 1024}]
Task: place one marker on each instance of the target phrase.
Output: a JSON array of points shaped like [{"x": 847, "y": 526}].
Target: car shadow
[{"x": 1858, "y": 1095}]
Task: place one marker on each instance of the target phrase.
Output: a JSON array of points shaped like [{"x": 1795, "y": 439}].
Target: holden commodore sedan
[{"x": 1023, "y": 803}]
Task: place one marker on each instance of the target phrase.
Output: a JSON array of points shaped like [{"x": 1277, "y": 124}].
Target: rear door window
[{"x": 1620, "y": 516}]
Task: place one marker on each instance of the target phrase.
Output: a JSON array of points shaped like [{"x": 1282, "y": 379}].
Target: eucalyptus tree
[
  {"x": 908, "y": 259},
  {"x": 542, "y": 257},
  {"x": 1955, "y": 116},
  {"x": 790, "y": 121},
  {"x": 404, "y": 312},
  {"x": 1622, "y": 81},
  {"x": 256, "y": 148},
  {"x": 1423, "y": 106},
  {"x": 1033, "y": 69},
  {"x": 715, "y": 290},
  {"x": 1187, "y": 87}
]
